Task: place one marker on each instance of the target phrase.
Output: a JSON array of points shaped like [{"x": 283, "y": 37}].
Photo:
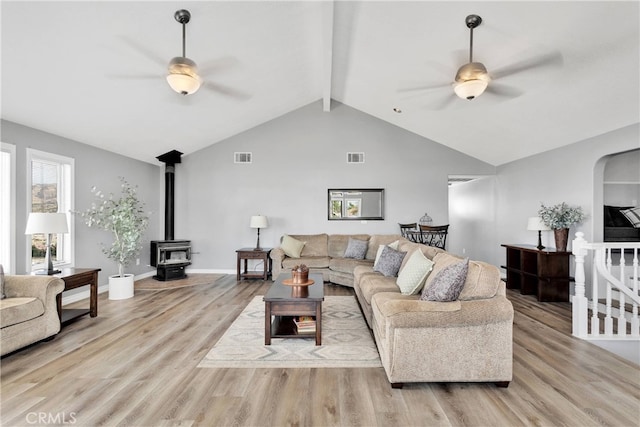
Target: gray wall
[
  {"x": 472, "y": 219},
  {"x": 93, "y": 166},
  {"x": 296, "y": 158},
  {"x": 572, "y": 174}
]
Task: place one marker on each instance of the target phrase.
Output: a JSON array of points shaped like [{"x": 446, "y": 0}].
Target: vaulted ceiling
[{"x": 95, "y": 71}]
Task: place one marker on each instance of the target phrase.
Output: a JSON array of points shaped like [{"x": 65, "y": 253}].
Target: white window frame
[
  {"x": 8, "y": 209},
  {"x": 66, "y": 203}
]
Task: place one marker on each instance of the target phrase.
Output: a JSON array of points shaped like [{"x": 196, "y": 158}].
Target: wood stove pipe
[{"x": 170, "y": 159}]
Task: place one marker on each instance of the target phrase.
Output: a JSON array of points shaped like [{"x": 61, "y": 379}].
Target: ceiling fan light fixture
[
  {"x": 470, "y": 89},
  {"x": 471, "y": 80},
  {"x": 183, "y": 76}
]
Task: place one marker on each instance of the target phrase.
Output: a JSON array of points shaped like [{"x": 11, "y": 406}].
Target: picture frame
[{"x": 355, "y": 204}]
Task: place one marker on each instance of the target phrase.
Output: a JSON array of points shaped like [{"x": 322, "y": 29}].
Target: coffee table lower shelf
[{"x": 284, "y": 327}]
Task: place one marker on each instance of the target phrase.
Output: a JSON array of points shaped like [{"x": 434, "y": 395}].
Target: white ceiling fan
[
  {"x": 472, "y": 79},
  {"x": 183, "y": 74}
]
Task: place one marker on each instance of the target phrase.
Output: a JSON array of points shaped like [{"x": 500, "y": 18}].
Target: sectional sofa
[{"x": 468, "y": 339}]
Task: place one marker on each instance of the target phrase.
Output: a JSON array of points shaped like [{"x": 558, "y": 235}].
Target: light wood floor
[{"x": 135, "y": 365}]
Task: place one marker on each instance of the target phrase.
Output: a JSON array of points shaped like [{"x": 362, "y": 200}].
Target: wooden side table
[
  {"x": 74, "y": 278},
  {"x": 544, "y": 273},
  {"x": 250, "y": 253}
]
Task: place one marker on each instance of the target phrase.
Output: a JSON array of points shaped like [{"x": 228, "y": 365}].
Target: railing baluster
[
  {"x": 595, "y": 320},
  {"x": 635, "y": 321},
  {"x": 608, "y": 319},
  {"x": 622, "y": 320},
  {"x": 579, "y": 302}
]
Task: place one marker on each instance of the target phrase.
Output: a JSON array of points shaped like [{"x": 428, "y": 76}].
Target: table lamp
[
  {"x": 259, "y": 221},
  {"x": 47, "y": 224},
  {"x": 535, "y": 224}
]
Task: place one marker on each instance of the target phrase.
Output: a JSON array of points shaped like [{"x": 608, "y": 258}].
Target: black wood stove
[{"x": 170, "y": 257}]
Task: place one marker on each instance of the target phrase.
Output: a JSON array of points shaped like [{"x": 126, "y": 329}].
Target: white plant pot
[{"x": 121, "y": 287}]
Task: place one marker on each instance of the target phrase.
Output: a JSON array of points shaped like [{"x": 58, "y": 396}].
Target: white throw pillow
[
  {"x": 292, "y": 247},
  {"x": 392, "y": 245},
  {"x": 633, "y": 215},
  {"x": 414, "y": 273}
]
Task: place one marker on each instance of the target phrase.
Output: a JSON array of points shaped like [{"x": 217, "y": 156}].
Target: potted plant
[
  {"x": 126, "y": 219},
  {"x": 559, "y": 218}
]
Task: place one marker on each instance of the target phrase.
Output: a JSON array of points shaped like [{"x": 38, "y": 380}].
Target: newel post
[{"x": 580, "y": 304}]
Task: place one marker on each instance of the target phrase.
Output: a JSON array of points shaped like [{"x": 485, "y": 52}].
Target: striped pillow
[{"x": 633, "y": 215}]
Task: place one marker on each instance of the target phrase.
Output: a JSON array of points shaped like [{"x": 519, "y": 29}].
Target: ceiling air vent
[
  {"x": 242, "y": 157},
  {"x": 355, "y": 157}
]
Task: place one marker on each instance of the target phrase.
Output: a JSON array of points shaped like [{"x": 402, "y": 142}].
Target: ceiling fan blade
[
  {"x": 145, "y": 52},
  {"x": 216, "y": 65},
  {"x": 503, "y": 90},
  {"x": 425, "y": 87},
  {"x": 226, "y": 90},
  {"x": 135, "y": 76},
  {"x": 553, "y": 59}
]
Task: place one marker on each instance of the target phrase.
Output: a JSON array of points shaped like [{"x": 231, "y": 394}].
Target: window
[
  {"x": 7, "y": 207},
  {"x": 50, "y": 189}
]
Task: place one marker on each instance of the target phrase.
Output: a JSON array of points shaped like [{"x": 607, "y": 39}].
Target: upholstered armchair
[{"x": 28, "y": 310}]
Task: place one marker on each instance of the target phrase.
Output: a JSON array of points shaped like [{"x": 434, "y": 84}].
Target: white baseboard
[{"x": 84, "y": 294}]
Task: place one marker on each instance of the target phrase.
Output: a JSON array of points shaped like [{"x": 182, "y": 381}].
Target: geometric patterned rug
[{"x": 346, "y": 341}]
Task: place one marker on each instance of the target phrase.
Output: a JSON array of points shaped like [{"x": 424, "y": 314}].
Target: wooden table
[
  {"x": 279, "y": 303},
  {"x": 74, "y": 278},
  {"x": 250, "y": 253}
]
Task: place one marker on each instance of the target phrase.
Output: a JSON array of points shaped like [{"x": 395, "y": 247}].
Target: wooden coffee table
[{"x": 279, "y": 303}]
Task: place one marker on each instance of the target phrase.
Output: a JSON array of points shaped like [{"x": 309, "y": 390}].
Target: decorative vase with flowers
[
  {"x": 559, "y": 218},
  {"x": 126, "y": 219}
]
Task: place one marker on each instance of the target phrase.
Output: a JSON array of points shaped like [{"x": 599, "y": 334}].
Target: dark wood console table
[
  {"x": 250, "y": 253},
  {"x": 544, "y": 273},
  {"x": 75, "y": 278}
]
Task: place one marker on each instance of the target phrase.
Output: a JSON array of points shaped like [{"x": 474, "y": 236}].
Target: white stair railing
[{"x": 603, "y": 256}]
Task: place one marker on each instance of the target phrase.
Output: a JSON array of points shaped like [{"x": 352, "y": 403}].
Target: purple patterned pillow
[
  {"x": 448, "y": 283},
  {"x": 389, "y": 262}
]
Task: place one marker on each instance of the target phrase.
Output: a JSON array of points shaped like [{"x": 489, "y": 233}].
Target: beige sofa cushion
[
  {"x": 371, "y": 284},
  {"x": 314, "y": 244},
  {"x": 18, "y": 310},
  {"x": 309, "y": 261},
  {"x": 482, "y": 279},
  {"x": 347, "y": 265}
]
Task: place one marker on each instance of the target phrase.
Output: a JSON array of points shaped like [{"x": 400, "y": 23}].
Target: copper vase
[{"x": 561, "y": 236}]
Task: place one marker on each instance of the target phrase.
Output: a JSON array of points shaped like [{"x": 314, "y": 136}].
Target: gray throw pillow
[
  {"x": 389, "y": 262},
  {"x": 2, "y": 295},
  {"x": 448, "y": 283},
  {"x": 356, "y": 249}
]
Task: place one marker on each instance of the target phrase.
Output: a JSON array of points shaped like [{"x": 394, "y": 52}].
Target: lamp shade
[
  {"x": 46, "y": 223},
  {"x": 259, "y": 221},
  {"x": 535, "y": 224}
]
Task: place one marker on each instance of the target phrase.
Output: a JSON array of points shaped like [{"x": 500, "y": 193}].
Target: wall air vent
[
  {"x": 355, "y": 157},
  {"x": 242, "y": 157}
]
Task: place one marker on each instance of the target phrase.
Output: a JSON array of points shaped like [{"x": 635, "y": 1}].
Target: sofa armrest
[
  {"x": 39, "y": 287},
  {"x": 277, "y": 256},
  {"x": 408, "y": 312}
]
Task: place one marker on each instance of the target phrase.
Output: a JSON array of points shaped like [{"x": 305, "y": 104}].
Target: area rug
[
  {"x": 346, "y": 341},
  {"x": 151, "y": 284}
]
